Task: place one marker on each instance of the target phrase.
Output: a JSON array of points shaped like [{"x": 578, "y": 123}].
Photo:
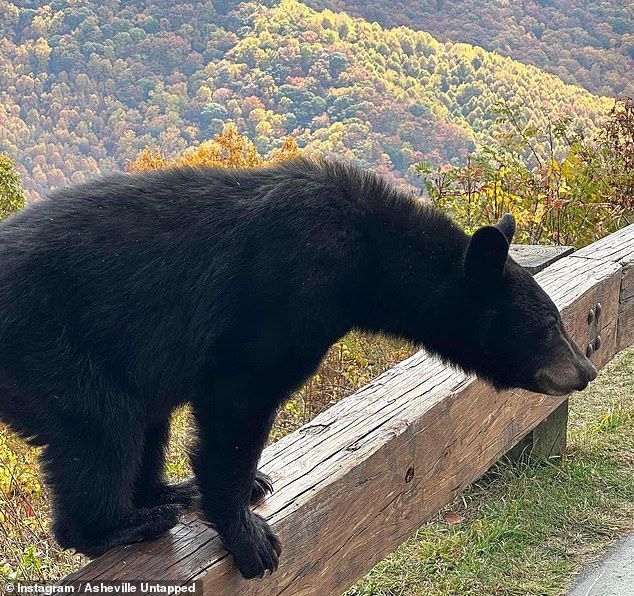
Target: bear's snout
[
  {"x": 569, "y": 371},
  {"x": 592, "y": 372},
  {"x": 587, "y": 373},
  {"x": 562, "y": 380}
]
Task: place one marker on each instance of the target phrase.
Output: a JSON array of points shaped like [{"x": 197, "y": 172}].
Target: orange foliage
[{"x": 228, "y": 150}]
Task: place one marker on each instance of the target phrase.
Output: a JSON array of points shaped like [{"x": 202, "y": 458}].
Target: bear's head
[{"x": 515, "y": 331}]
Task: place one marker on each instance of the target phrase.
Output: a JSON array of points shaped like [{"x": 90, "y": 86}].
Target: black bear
[{"x": 125, "y": 297}]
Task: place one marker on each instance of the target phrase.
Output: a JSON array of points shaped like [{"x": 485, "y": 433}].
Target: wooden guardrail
[{"x": 352, "y": 484}]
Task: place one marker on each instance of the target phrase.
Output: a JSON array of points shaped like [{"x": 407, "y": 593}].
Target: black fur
[{"x": 122, "y": 298}]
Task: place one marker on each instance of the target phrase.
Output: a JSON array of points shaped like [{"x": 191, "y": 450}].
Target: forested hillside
[
  {"x": 86, "y": 86},
  {"x": 583, "y": 42}
]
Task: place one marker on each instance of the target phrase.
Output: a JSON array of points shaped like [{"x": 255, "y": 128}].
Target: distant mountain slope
[
  {"x": 85, "y": 87},
  {"x": 583, "y": 42}
]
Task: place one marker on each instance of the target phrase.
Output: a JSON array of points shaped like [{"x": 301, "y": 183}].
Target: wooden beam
[
  {"x": 619, "y": 248},
  {"x": 357, "y": 480},
  {"x": 548, "y": 439},
  {"x": 535, "y": 258}
]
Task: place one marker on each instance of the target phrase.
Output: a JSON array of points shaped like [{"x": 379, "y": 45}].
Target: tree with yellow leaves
[{"x": 228, "y": 150}]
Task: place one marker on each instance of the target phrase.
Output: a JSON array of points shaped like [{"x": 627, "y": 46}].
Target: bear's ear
[
  {"x": 506, "y": 225},
  {"x": 486, "y": 255}
]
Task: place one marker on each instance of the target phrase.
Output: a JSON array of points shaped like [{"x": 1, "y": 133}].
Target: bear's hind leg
[
  {"x": 151, "y": 487},
  {"x": 137, "y": 526},
  {"x": 91, "y": 469}
]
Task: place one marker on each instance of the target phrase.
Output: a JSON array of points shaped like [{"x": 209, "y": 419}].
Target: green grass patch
[{"x": 527, "y": 528}]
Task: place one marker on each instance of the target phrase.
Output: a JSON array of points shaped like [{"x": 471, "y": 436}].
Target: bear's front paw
[{"x": 254, "y": 546}]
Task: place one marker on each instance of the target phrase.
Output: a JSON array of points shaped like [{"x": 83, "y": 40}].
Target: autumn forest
[{"x": 86, "y": 86}]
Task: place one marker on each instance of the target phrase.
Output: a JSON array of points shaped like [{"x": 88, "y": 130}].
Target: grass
[
  {"x": 527, "y": 528},
  {"x": 521, "y": 529},
  {"x": 27, "y": 550}
]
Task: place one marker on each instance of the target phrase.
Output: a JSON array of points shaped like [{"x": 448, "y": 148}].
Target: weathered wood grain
[
  {"x": 549, "y": 437},
  {"x": 535, "y": 258},
  {"x": 616, "y": 248},
  {"x": 357, "y": 480},
  {"x": 619, "y": 248},
  {"x": 625, "y": 331}
]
